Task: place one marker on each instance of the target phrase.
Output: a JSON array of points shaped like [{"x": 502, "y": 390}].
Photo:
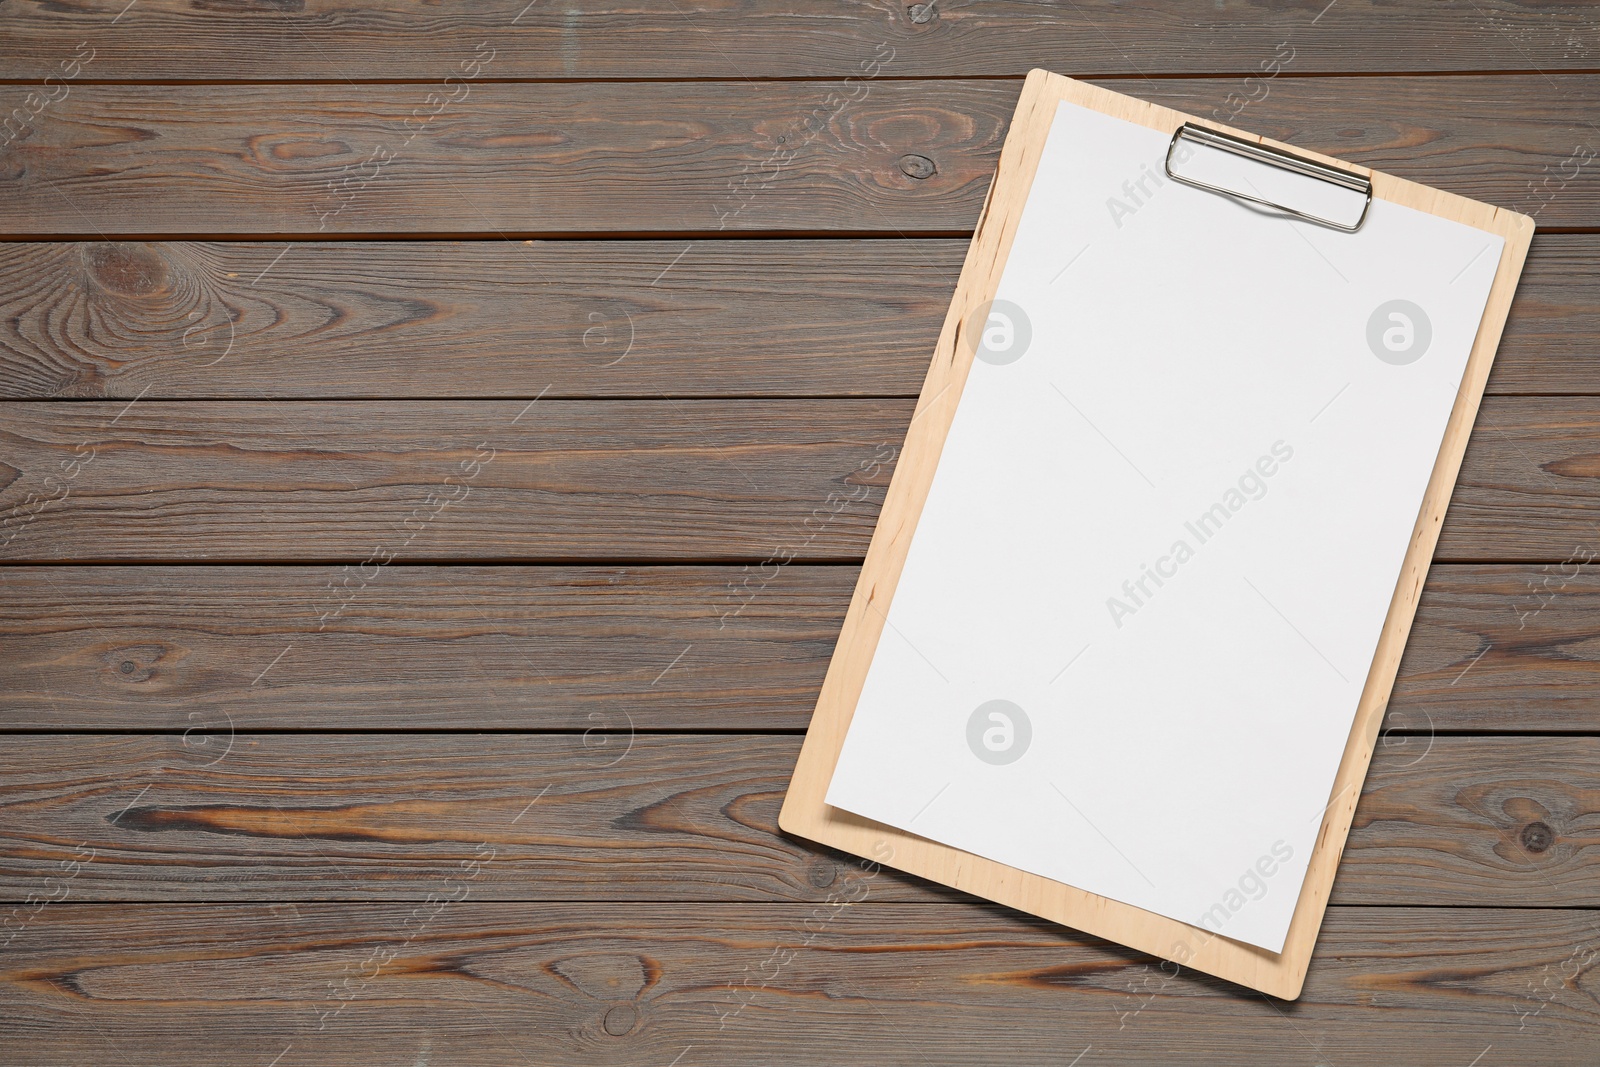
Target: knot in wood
[
  {"x": 620, "y": 1019},
  {"x": 918, "y": 167},
  {"x": 126, "y": 268}
]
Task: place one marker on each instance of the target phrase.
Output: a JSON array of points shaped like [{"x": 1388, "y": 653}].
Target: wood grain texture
[
  {"x": 226, "y": 815},
  {"x": 416, "y": 648},
  {"x": 475, "y": 983},
  {"x": 376, "y": 481},
  {"x": 1547, "y": 347},
  {"x": 590, "y": 318},
  {"x": 283, "y": 40},
  {"x": 1529, "y": 483},
  {"x": 701, "y": 157},
  {"x": 365, "y": 482},
  {"x": 249, "y": 825},
  {"x": 471, "y": 318},
  {"x": 525, "y": 160},
  {"x": 1509, "y": 648}
]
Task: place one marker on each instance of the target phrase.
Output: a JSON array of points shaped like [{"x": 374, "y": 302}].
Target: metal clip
[{"x": 1274, "y": 157}]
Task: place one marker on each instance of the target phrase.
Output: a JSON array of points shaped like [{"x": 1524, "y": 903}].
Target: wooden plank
[
  {"x": 892, "y": 157},
  {"x": 1502, "y": 648},
  {"x": 516, "y": 648},
  {"x": 591, "y": 318},
  {"x": 1529, "y": 485},
  {"x": 1552, "y": 339},
  {"x": 473, "y": 318},
  {"x": 172, "y": 40},
  {"x": 1490, "y": 821},
  {"x": 376, "y": 481},
  {"x": 624, "y": 815},
  {"x": 522, "y": 160},
  {"x": 1506, "y": 648},
  {"x": 473, "y": 983},
  {"x": 368, "y": 482}
]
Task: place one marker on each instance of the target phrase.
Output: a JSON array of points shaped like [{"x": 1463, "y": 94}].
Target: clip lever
[{"x": 1274, "y": 157}]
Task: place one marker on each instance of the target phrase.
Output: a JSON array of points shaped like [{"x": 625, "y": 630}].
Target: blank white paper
[{"x": 1138, "y": 611}]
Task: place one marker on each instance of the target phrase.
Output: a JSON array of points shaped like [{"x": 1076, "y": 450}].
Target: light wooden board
[{"x": 804, "y": 811}]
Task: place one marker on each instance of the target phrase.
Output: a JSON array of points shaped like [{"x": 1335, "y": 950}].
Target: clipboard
[{"x": 805, "y": 811}]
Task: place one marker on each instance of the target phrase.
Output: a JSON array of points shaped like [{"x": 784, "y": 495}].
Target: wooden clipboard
[{"x": 804, "y": 811}]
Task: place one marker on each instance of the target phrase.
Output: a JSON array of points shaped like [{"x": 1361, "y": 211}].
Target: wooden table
[{"x": 412, "y": 418}]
